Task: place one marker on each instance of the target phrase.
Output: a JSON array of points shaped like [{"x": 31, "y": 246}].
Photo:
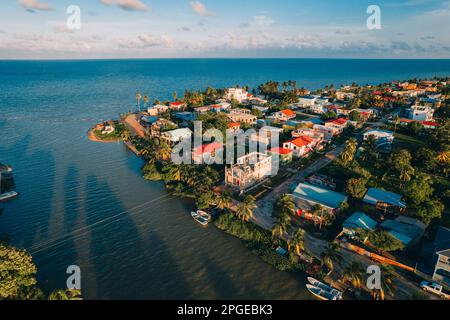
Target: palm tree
[
  {"x": 278, "y": 230},
  {"x": 331, "y": 255},
  {"x": 125, "y": 135},
  {"x": 172, "y": 172},
  {"x": 396, "y": 122},
  {"x": 297, "y": 243},
  {"x": 163, "y": 150},
  {"x": 354, "y": 274},
  {"x": 443, "y": 157},
  {"x": 69, "y": 294},
  {"x": 387, "y": 283},
  {"x": 138, "y": 99},
  {"x": 146, "y": 99},
  {"x": 224, "y": 201},
  {"x": 285, "y": 204},
  {"x": 350, "y": 149},
  {"x": 175, "y": 96},
  {"x": 245, "y": 208}
]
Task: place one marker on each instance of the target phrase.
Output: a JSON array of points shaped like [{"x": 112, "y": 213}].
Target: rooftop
[
  {"x": 319, "y": 195},
  {"x": 375, "y": 195},
  {"x": 405, "y": 229},
  {"x": 360, "y": 220},
  {"x": 301, "y": 141}
]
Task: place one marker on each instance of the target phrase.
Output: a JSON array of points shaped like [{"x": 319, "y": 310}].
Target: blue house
[
  {"x": 384, "y": 200},
  {"x": 358, "y": 220},
  {"x": 186, "y": 116}
]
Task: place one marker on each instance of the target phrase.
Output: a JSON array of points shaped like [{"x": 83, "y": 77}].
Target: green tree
[
  {"x": 354, "y": 275},
  {"x": 246, "y": 207},
  {"x": 387, "y": 283},
  {"x": 429, "y": 210},
  {"x": 17, "y": 274},
  {"x": 356, "y": 187},
  {"x": 348, "y": 154},
  {"x": 384, "y": 241},
  {"x": 278, "y": 229},
  {"x": 329, "y": 115},
  {"x": 355, "y": 116},
  {"x": 224, "y": 201},
  {"x": 331, "y": 255},
  {"x": 204, "y": 199},
  {"x": 297, "y": 243},
  {"x": 68, "y": 294},
  {"x": 419, "y": 189}
]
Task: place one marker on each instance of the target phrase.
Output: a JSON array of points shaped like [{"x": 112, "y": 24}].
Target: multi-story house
[{"x": 248, "y": 171}]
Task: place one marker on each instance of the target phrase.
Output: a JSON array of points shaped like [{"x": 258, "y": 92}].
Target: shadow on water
[
  {"x": 223, "y": 285},
  {"x": 125, "y": 265}
]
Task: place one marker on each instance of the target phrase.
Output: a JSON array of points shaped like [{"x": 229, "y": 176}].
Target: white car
[{"x": 434, "y": 288}]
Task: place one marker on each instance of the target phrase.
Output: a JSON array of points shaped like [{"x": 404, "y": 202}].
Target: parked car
[{"x": 435, "y": 289}]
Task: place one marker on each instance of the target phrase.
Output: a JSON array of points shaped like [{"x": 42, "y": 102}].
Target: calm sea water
[{"x": 86, "y": 204}]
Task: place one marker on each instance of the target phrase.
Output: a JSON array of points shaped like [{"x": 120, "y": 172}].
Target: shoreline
[{"x": 93, "y": 137}]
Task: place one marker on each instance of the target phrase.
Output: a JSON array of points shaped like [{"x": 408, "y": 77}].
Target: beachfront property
[
  {"x": 238, "y": 94},
  {"x": 383, "y": 138},
  {"x": 420, "y": 113},
  {"x": 207, "y": 152},
  {"x": 441, "y": 256},
  {"x": 300, "y": 146},
  {"x": 157, "y": 109},
  {"x": 358, "y": 221},
  {"x": 218, "y": 107},
  {"x": 306, "y": 196},
  {"x": 384, "y": 200},
  {"x": 242, "y": 116},
  {"x": 406, "y": 229},
  {"x": 248, "y": 171},
  {"x": 177, "y": 135},
  {"x": 284, "y": 115},
  {"x": 148, "y": 121}
]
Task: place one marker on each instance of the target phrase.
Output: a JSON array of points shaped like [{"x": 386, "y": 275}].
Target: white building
[
  {"x": 238, "y": 94},
  {"x": 382, "y": 137},
  {"x": 248, "y": 171},
  {"x": 420, "y": 113},
  {"x": 177, "y": 135},
  {"x": 307, "y": 101}
]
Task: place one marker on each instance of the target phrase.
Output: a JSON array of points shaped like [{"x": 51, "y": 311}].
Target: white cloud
[
  {"x": 146, "y": 40},
  {"x": 200, "y": 8},
  {"x": 129, "y": 5},
  {"x": 32, "y": 5}
]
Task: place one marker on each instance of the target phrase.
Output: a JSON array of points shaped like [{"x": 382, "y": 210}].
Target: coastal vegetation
[{"x": 18, "y": 277}]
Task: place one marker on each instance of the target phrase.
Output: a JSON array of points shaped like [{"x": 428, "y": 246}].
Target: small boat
[
  {"x": 320, "y": 293},
  {"x": 201, "y": 217},
  {"x": 325, "y": 287},
  {"x": 8, "y": 196}
]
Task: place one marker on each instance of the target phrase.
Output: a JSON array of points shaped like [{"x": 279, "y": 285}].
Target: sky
[{"x": 37, "y": 29}]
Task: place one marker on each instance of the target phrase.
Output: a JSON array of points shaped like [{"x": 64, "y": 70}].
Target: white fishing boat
[
  {"x": 320, "y": 293},
  {"x": 8, "y": 196},
  {"x": 325, "y": 287},
  {"x": 201, "y": 217}
]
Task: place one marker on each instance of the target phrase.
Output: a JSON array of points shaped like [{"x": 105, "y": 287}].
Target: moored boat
[
  {"x": 325, "y": 287},
  {"x": 320, "y": 293},
  {"x": 201, "y": 217},
  {"x": 8, "y": 196}
]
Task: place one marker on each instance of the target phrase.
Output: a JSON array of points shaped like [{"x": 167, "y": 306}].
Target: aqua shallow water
[{"x": 85, "y": 203}]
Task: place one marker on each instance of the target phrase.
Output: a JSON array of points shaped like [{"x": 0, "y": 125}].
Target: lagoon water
[{"x": 84, "y": 203}]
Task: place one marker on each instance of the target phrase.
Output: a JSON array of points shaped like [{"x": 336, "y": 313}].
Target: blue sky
[{"x": 36, "y": 29}]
